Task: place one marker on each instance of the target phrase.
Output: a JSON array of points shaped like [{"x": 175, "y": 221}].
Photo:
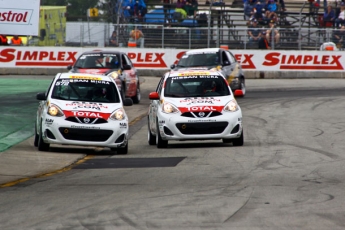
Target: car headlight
[
  {"x": 114, "y": 75},
  {"x": 54, "y": 110},
  {"x": 232, "y": 106},
  {"x": 119, "y": 115},
  {"x": 169, "y": 108}
]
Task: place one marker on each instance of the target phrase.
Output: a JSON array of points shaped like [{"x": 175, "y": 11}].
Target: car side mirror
[
  {"x": 69, "y": 67},
  {"x": 127, "y": 102},
  {"x": 172, "y": 66},
  {"x": 226, "y": 63},
  {"x": 154, "y": 96},
  {"x": 127, "y": 67},
  {"x": 41, "y": 96}
]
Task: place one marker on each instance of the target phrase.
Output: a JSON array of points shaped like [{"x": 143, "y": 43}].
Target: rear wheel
[
  {"x": 159, "y": 141},
  {"x": 243, "y": 87},
  {"x": 137, "y": 97},
  {"x": 151, "y": 139},
  {"x": 238, "y": 141},
  {"x": 42, "y": 146}
]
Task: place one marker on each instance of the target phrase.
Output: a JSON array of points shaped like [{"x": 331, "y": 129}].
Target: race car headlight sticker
[
  {"x": 169, "y": 108},
  {"x": 232, "y": 106},
  {"x": 114, "y": 75},
  {"x": 55, "y": 111},
  {"x": 119, "y": 115}
]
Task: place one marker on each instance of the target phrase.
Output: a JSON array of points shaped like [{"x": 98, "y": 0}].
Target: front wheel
[
  {"x": 243, "y": 87},
  {"x": 121, "y": 151},
  {"x": 36, "y": 136},
  {"x": 151, "y": 139},
  {"x": 159, "y": 141},
  {"x": 238, "y": 141},
  {"x": 42, "y": 146}
]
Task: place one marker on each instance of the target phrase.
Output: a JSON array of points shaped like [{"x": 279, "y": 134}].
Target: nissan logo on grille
[
  {"x": 201, "y": 114},
  {"x": 86, "y": 120}
]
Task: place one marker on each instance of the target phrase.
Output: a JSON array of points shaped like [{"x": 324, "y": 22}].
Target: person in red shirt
[
  {"x": 16, "y": 41},
  {"x": 3, "y": 40}
]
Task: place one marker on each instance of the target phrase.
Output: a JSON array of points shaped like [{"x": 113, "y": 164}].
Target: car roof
[
  {"x": 204, "y": 50},
  {"x": 102, "y": 51},
  {"x": 190, "y": 72},
  {"x": 84, "y": 76}
]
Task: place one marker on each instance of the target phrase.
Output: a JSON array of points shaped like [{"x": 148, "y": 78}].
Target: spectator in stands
[
  {"x": 341, "y": 17},
  {"x": 3, "y": 40},
  {"x": 180, "y": 4},
  {"x": 113, "y": 39},
  {"x": 137, "y": 36},
  {"x": 329, "y": 15},
  {"x": 180, "y": 13},
  {"x": 254, "y": 33},
  {"x": 249, "y": 9},
  {"x": 16, "y": 41},
  {"x": 271, "y": 9},
  {"x": 338, "y": 36},
  {"x": 259, "y": 13},
  {"x": 166, "y": 9},
  {"x": 137, "y": 10},
  {"x": 191, "y": 7},
  {"x": 272, "y": 34},
  {"x": 263, "y": 42}
]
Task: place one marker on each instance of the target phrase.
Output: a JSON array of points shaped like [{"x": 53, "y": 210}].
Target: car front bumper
[
  {"x": 113, "y": 134},
  {"x": 176, "y": 127}
]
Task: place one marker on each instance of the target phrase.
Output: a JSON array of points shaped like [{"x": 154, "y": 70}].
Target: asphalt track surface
[{"x": 288, "y": 175}]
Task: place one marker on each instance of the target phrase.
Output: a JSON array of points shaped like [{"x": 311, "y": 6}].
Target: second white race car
[{"x": 194, "y": 105}]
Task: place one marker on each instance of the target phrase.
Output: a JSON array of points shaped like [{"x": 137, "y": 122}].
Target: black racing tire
[
  {"x": 137, "y": 97},
  {"x": 122, "y": 92},
  {"x": 42, "y": 146},
  {"x": 161, "y": 144},
  {"x": 121, "y": 151},
  {"x": 151, "y": 139},
  {"x": 238, "y": 141},
  {"x": 243, "y": 87},
  {"x": 36, "y": 136}
]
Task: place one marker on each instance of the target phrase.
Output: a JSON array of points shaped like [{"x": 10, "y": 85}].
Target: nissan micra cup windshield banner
[{"x": 19, "y": 17}]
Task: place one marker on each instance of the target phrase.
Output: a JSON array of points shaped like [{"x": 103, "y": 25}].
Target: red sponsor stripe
[
  {"x": 311, "y": 67},
  {"x": 201, "y": 109},
  {"x": 35, "y": 63},
  {"x": 86, "y": 114}
]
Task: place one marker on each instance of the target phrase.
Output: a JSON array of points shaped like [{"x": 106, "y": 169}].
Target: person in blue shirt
[{"x": 329, "y": 15}]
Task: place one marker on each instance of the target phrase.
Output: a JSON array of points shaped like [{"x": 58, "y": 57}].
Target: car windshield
[
  {"x": 199, "y": 59},
  {"x": 196, "y": 86},
  {"x": 85, "y": 90},
  {"x": 98, "y": 61}
]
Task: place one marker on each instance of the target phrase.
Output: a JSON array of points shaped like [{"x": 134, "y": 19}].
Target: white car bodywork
[
  {"x": 189, "y": 116},
  {"x": 80, "y": 120}
]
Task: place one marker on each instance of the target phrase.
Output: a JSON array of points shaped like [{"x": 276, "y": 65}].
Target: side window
[
  {"x": 128, "y": 60},
  {"x": 231, "y": 57},
  {"x": 225, "y": 58}
]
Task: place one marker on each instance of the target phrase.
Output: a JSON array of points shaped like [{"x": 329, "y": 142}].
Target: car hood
[
  {"x": 87, "y": 109},
  {"x": 200, "y": 104},
  {"x": 195, "y": 68}
]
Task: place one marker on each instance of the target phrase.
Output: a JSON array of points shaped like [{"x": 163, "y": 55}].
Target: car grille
[
  {"x": 201, "y": 114},
  {"x": 202, "y": 127},
  {"x": 95, "y": 135},
  {"x": 85, "y": 120}
]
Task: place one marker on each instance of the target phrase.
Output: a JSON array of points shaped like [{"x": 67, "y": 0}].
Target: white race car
[
  {"x": 82, "y": 109},
  {"x": 194, "y": 105}
]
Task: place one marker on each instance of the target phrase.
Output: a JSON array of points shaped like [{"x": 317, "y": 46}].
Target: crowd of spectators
[
  {"x": 263, "y": 10},
  {"x": 133, "y": 10}
]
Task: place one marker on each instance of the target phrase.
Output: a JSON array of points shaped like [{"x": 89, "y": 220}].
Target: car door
[{"x": 154, "y": 106}]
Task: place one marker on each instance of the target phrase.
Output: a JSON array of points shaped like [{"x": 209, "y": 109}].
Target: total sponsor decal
[
  {"x": 15, "y": 16},
  {"x": 201, "y": 109},
  {"x": 148, "y": 60},
  {"x": 86, "y": 114},
  {"x": 38, "y": 58},
  {"x": 303, "y": 61}
]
